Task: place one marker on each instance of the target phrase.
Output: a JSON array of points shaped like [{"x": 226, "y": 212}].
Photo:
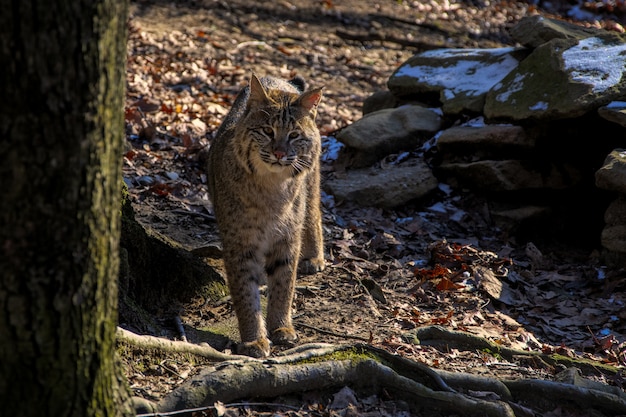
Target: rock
[
  {"x": 613, "y": 238},
  {"x": 462, "y": 77},
  {"x": 560, "y": 99},
  {"x": 533, "y": 31},
  {"x": 511, "y": 175},
  {"x": 386, "y": 188},
  {"x": 484, "y": 142},
  {"x": 383, "y": 99},
  {"x": 561, "y": 79},
  {"x": 612, "y": 175},
  {"x": 616, "y": 212},
  {"x": 506, "y": 218},
  {"x": 615, "y": 112},
  {"x": 388, "y": 131}
]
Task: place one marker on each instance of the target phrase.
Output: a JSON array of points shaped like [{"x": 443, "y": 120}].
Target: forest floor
[{"x": 390, "y": 272}]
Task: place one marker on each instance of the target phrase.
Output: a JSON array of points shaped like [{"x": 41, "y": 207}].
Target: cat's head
[{"x": 280, "y": 125}]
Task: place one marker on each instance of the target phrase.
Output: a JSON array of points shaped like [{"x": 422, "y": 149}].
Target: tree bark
[{"x": 61, "y": 125}]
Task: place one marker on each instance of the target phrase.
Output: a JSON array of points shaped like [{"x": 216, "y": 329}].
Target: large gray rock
[
  {"x": 612, "y": 175},
  {"x": 387, "y": 131},
  {"x": 385, "y": 188},
  {"x": 462, "y": 77},
  {"x": 532, "y": 31},
  {"x": 483, "y": 142},
  {"x": 511, "y": 175},
  {"x": 562, "y": 78}
]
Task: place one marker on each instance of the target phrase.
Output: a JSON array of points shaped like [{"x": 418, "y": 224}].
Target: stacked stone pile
[{"x": 529, "y": 127}]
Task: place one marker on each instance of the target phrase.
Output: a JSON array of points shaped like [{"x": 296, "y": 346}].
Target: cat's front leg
[
  {"x": 244, "y": 274},
  {"x": 281, "y": 267},
  {"x": 312, "y": 256}
]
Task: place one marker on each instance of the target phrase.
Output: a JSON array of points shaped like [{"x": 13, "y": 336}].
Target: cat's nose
[{"x": 279, "y": 154}]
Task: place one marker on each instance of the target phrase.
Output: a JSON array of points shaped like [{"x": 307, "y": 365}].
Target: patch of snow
[
  {"x": 332, "y": 147},
  {"x": 328, "y": 200},
  {"x": 475, "y": 122},
  {"x": 471, "y": 76},
  {"x": 431, "y": 143},
  {"x": 616, "y": 105},
  {"x": 438, "y": 208},
  {"x": 436, "y": 110},
  {"x": 516, "y": 85},
  {"x": 445, "y": 188},
  {"x": 480, "y": 122},
  {"x": 595, "y": 63},
  {"x": 401, "y": 158},
  {"x": 420, "y": 262},
  {"x": 458, "y": 216},
  {"x": 540, "y": 105}
]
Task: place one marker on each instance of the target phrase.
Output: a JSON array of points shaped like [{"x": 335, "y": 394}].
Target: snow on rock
[{"x": 461, "y": 76}]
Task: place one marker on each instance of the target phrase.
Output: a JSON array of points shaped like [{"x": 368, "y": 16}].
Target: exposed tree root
[
  {"x": 172, "y": 346},
  {"x": 256, "y": 379},
  {"x": 370, "y": 370},
  {"x": 438, "y": 336}
]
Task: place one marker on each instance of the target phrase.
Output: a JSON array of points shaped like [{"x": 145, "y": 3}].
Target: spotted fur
[{"x": 264, "y": 181}]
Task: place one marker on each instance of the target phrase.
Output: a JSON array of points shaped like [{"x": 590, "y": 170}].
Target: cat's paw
[
  {"x": 311, "y": 266},
  {"x": 260, "y": 348},
  {"x": 284, "y": 336}
]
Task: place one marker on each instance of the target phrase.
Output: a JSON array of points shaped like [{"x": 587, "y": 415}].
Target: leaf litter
[{"x": 434, "y": 262}]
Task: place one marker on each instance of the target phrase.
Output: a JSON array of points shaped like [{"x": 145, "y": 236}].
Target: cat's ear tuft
[
  {"x": 257, "y": 91},
  {"x": 310, "y": 99}
]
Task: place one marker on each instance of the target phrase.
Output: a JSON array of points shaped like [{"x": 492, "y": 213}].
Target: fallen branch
[{"x": 331, "y": 333}]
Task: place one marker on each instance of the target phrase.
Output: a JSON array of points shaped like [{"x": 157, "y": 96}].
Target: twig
[
  {"x": 193, "y": 213},
  {"x": 331, "y": 333},
  {"x": 209, "y": 407}
]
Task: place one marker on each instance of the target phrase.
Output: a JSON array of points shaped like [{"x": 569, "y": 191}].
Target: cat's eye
[
  {"x": 293, "y": 135},
  {"x": 268, "y": 131}
]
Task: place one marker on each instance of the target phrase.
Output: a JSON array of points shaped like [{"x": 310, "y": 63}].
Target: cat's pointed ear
[
  {"x": 257, "y": 91},
  {"x": 310, "y": 99}
]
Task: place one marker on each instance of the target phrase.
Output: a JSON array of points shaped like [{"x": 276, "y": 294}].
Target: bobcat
[{"x": 264, "y": 181}]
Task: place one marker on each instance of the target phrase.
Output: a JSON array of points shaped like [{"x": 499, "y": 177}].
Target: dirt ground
[{"x": 389, "y": 273}]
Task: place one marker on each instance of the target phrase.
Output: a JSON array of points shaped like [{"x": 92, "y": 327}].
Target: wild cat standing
[{"x": 264, "y": 181}]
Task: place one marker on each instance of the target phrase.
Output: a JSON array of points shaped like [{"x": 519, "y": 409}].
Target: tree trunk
[{"x": 61, "y": 125}]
